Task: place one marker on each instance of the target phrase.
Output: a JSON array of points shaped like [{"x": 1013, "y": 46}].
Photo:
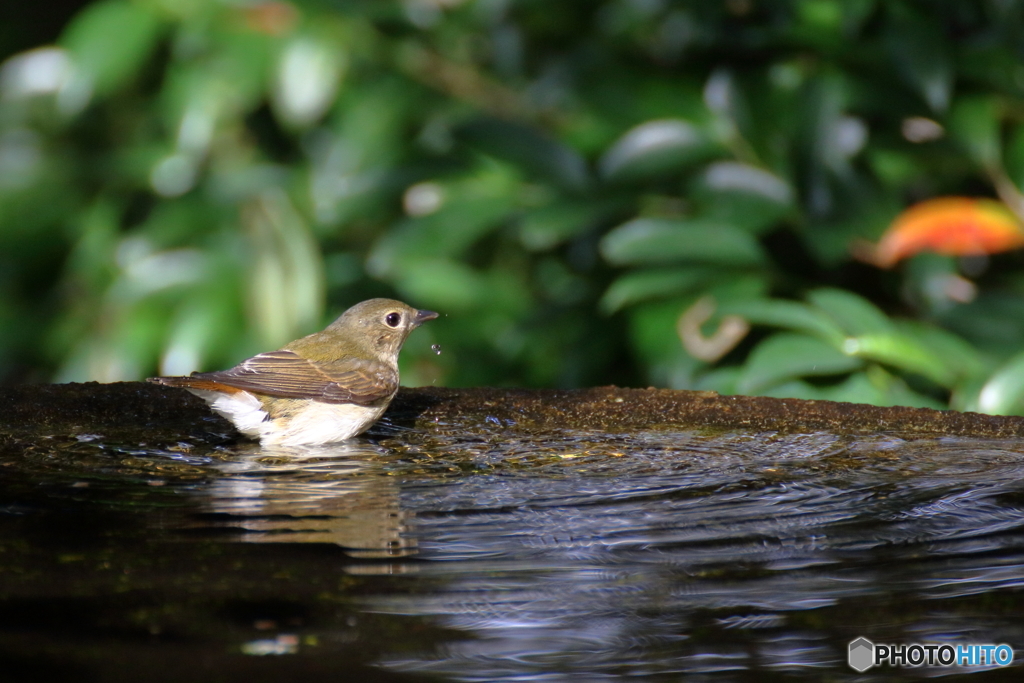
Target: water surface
[{"x": 501, "y": 556}]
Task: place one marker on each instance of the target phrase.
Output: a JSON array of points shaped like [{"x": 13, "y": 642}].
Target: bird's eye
[{"x": 393, "y": 319}]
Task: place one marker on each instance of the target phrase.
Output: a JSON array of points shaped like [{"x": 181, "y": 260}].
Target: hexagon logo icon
[{"x": 861, "y": 656}]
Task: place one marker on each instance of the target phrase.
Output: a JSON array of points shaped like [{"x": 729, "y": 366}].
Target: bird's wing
[{"x": 287, "y": 375}]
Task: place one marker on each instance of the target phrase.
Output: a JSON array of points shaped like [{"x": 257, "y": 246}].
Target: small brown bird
[{"x": 327, "y": 387}]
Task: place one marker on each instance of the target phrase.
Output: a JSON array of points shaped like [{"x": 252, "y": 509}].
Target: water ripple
[{"x": 595, "y": 556}]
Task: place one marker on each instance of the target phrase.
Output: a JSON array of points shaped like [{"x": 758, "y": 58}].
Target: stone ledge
[{"x": 164, "y": 412}]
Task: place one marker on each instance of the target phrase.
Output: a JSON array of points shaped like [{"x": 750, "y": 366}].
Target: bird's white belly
[
  {"x": 320, "y": 423},
  {"x": 315, "y": 424}
]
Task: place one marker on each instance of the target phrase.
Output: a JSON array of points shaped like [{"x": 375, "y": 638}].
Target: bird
[{"x": 323, "y": 388}]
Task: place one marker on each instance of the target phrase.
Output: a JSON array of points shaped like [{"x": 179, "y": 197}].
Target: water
[{"x": 498, "y": 556}]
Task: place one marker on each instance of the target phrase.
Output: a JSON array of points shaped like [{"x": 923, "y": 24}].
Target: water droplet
[{"x": 436, "y": 348}]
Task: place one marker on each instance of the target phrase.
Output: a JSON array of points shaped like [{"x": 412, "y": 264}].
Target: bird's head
[{"x": 379, "y": 325}]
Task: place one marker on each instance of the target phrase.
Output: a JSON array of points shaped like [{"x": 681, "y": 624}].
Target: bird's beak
[{"x": 422, "y": 317}]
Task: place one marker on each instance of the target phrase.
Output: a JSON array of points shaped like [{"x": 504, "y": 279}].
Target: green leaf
[
  {"x": 528, "y": 149},
  {"x": 791, "y": 315},
  {"x": 660, "y": 240},
  {"x": 1014, "y": 159},
  {"x": 893, "y": 167},
  {"x": 975, "y": 123},
  {"x": 641, "y": 285},
  {"x": 962, "y": 358},
  {"x": 652, "y": 330},
  {"x": 111, "y": 42},
  {"x": 821, "y": 16},
  {"x": 309, "y": 71},
  {"x": 854, "y": 314},
  {"x": 872, "y": 386},
  {"x": 475, "y": 206},
  {"x": 446, "y": 285},
  {"x": 548, "y": 226},
  {"x": 722, "y": 380},
  {"x": 742, "y": 195},
  {"x": 920, "y": 50},
  {"x": 194, "y": 326},
  {"x": 785, "y": 356},
  {"x": 904, "y": 352},
  {"x": 1003, "y": 394},
  {"x": 993, "y": 323},
  {"x": 655, "y": 148},
  {"x": 796, "y": 389},
  {"x": 286, "y": 278}
]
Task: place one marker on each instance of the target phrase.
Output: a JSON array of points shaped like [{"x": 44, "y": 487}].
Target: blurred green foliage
[{"x": 186, "y": 182}]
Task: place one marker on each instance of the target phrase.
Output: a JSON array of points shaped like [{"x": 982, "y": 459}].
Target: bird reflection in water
[{"x": 331, "y": 494}]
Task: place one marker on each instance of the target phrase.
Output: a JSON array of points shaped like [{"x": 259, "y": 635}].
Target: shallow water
[{"x": 507, "y": 557}]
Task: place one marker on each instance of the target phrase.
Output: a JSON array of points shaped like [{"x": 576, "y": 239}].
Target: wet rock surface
[
  {"x": 620, "y": 409},
  {"x": 166, "y": 413}
]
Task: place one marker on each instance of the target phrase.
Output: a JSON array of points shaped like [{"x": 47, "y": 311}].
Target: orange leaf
[{"x": 955, "y": 226}]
